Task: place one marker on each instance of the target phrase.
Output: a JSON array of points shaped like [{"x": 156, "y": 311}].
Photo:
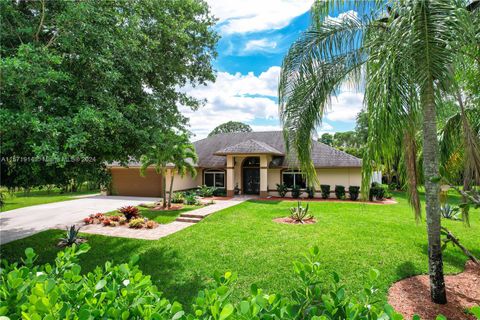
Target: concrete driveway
[{"x": 23, "y": 222}]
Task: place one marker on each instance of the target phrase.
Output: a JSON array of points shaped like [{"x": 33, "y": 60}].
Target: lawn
[
  {"x": 160, "y": 216},
  {"x": 21, "y": 199},
  {"x": 353, "y": 237}
]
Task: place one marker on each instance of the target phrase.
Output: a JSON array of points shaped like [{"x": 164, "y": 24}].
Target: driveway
[{"x": 23, "y": 222}]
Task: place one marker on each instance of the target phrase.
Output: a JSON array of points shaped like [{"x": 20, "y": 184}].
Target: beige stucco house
[{"x": 251, "y": 162}]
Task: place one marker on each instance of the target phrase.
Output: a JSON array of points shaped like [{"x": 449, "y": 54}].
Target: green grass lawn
[
  {"x": 352, "y": 237},
  {"x": 21, "y": 199},
  {"x": 161, "y": 217}
]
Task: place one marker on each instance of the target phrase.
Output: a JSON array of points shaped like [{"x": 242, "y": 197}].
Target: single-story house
[{"x": 251, "y": 162}]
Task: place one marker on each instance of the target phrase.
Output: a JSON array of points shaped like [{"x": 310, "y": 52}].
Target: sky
[{"x": 255, "y": 36}]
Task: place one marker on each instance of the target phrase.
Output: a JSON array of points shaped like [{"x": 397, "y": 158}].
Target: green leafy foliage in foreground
[{"x": 61, "y": 291}]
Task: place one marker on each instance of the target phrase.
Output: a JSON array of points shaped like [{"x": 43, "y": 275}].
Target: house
[{"x": 251, "y": 162}]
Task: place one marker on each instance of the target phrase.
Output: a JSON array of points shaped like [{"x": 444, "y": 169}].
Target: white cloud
[
  {"x": 234, "y": 97},
  {"x": 343, "y": 15},
  {"x": 345, "y": 106},
  {"x": 256, "y": 15},
  {"x": 260, "y": 45}
]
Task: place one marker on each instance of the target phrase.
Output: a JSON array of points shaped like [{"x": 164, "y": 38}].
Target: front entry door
[{"x": 251, "y": 180}]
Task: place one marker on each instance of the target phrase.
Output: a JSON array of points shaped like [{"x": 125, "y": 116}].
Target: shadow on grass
[
  {"x": 452, "y": 255},
  {"x": 270, "y": 202},
  {"x": 407, "y": 269}
]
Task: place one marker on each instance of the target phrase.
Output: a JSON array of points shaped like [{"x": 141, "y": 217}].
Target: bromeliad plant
[
  {"x": 299, "y": 213},
  {"x": 130, "y": 212}
]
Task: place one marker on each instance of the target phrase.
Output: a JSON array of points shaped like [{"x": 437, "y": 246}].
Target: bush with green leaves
[
  {"x": 296, "y": 192},
  {"x": 377, "y": 191},
  {"x": 2, "y": 199},
  {"x": 190, "y": 199},
  {"x": 62, "y": 291},
  {"x": 204, "y": 191},
  {"x": 353, "y": 191},
  {"x": 340, "y": 192},
  {"x": 219, "y": 192},
  {"x": 178, "y": 197},
  {"x": 325, "y": 188},
  {"x": 282, "y": 189}
]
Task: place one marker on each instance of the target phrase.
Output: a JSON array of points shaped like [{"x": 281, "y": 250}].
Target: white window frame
[
  {"x": 294, "y": 176},
  {"x": 214, "y": 172}
]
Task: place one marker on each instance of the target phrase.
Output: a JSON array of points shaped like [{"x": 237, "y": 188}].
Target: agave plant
[
  {"x": 450, "y": 212},
  {"x": 299, "y": 213},
  {"x": 71, "y": 237}
]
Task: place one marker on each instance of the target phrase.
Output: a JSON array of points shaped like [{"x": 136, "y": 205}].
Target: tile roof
[{"x": 250, "y": 146}]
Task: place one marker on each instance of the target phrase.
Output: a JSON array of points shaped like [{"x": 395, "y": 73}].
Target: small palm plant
[
  {"x": 299, "y": 213},
  {"x": 71, "y": 237},
  {"x": 450, "y": 212}
]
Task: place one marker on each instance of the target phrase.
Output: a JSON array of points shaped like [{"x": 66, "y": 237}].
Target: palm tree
[
  {"x": 183, "y": 158},
  {"x": 159, "y": 156},
  {"x": 403, "y": 60}
]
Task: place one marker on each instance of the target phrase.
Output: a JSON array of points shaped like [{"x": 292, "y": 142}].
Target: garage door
[{"x": 128, "y": 182}]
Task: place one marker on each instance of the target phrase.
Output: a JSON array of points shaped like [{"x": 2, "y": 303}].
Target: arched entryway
[{"x": 251, "y": 175}]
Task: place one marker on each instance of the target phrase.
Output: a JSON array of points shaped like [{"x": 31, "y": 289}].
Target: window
[
  {"x": 214, "y": 179},
  {"x": 291, "y": 178}
]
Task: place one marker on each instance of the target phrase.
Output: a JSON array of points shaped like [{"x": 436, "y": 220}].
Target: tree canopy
[
  {"x": 231, "y": 126},
  {"x": 86, "y": 82}
]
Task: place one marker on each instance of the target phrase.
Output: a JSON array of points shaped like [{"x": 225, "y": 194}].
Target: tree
[
  {"x": 86, "y": 83},
  {"x": 327, "y": 139},
  {"x": 406, "y": 59},
  {"x": 183, "y": 158},
  {"x": 231, "y": 126}
]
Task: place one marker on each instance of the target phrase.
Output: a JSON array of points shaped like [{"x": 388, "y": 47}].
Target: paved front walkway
[
  {"x": 162, "y": 230},
  {"x": 23, "y": 222}
]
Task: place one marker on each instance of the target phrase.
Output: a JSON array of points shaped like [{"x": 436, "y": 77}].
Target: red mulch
[
  {"x": 173, "y": 207},
  {"x": 412, "y": 295},
  {"x": 386, "y": 201},
  {"x": 288, "y": 220}
]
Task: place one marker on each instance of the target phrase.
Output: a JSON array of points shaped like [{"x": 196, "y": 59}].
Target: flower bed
[{"x": 136, "y": 221}]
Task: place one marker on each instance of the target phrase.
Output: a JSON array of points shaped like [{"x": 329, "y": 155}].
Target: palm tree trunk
[
  {"x": 432, "y": 189},
  {"x": 164, "y": 190},
  {"x": 171, "y": 189}
]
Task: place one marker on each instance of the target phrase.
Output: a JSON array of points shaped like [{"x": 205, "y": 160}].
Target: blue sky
[{"x": 255, "y": 36}]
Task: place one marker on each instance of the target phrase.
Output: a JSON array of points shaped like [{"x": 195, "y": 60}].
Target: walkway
[
  {"x": 24, "y": 222},
  {"x": 163, "y": 230}
]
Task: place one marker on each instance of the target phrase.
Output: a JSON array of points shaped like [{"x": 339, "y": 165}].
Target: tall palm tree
[
  {"x": 402, "y": 56},
  {"x": 183, "y": 158}
]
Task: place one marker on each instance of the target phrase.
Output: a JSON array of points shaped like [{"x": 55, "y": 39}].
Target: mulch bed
[
  {"x": 412, "y": 295},
  {"x": 288, "y": 220},
  {"x": 386, "y": 201}
]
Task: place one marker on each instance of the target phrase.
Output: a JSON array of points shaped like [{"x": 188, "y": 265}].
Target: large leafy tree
[
  {"x": 89, "y": 82},
  {"x": 404, "y": 58},
  {"x": 230, "y": 126}
]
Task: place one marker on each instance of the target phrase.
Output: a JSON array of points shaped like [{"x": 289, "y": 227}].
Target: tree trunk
[
  {"x": 164, "y": 190},
  {"x": 432, "y": 189},
  {"x": 171, "y": 189}
]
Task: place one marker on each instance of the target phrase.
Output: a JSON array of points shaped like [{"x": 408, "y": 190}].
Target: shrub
[
  {"x": 353, "y": 191},
  {"x": 150, "y": 224},
  {"x": 178, "y": 197},
  {"x": 115, "y": 218},
  {"x": 282, "y": 190},
  {"x": 392, "y": 187},
  {"x": 299, "y": 213},
  {"x": 2, "y": 199},
  {"x": 325, "y": 188},
  {"x": 311, "y": 192},
  {"x": 204, "y": 191},
  {"x": 340, "y": 192},
  {"x": 122, "y": 221},
  {"x": 71, "y": 237},
  {"x": 62, "y": 291},
  {"x": 190, "y": 199},
  {"x": 88, "y": 220},
  {"x": 219, "y": 192},
  {"x": 377, "y": 191},
  {"x": 296, "y": 191},
  {"x": 130, "y": 212},
  {"x": 136, "y": 223}
]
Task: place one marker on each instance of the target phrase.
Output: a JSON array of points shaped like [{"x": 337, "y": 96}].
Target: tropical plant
[
  {"x": 340, "y": 192},
  {"x": 325, "y": 188},
  {"x": 310, "y": 192},
  {"x": 450, "y": 212},
  {"x": 353, "y": 191},
  {"x": 205, "y": 192},
  {"x": 296, "y": 192},
  {"x": 282, "y": 189},
  {"x": 300, "y": 213},
  {"x": 136, "y": 223},
  {"x": 150, "y": 224},
  {"x": 183, "y": 158},
  {"x": 71, "y": 237},
  {"x": 230, "y": 126},
  {"x": 178, "y": 197},
  {"x": 406, "y": 55},
  {"x": 130, "y": 212},
  {"x": 190, "y": 199},
  {"x": 219, "y": 192}
]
